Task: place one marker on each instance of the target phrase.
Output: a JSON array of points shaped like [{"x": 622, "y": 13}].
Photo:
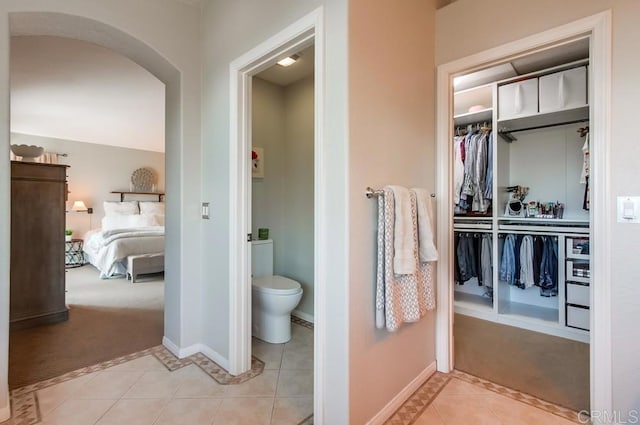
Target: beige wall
[
  {"x": 512, "y": 20},
  {"x": 94, "y": 171},
  {"x": 391, "y": 130}
]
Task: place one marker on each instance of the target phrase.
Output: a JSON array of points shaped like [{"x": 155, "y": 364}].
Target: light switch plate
[
  {"x": 628, "y": 209},
  {"x": 205, "y": 210}
]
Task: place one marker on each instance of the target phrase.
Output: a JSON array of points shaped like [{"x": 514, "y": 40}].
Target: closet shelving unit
[{"x": 535, "y": 145}]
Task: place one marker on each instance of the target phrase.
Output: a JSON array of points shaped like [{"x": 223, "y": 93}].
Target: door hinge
[{"x": 249, "y": 237}]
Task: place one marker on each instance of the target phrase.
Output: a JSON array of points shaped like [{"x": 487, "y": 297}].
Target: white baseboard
[
  {"x": 395, "y": 403},
  {"x": 181, "y": 353},
  {"x": 5, "y": 413},
  {"x": 302, "y": 315}
]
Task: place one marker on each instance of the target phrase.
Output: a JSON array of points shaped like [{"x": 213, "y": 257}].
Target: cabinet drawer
[
  {"x": 578, "y": 317},
  {"x": 578, "y": 294},
  {"x": 577, "y": 248},
  {"x": 578, "y": 271},
  {"x": 563, "y": 90},
  {"x": 518, "y": 99}
]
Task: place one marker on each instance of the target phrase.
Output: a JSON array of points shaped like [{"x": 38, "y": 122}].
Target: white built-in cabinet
[{"x": 535, "y": 118}]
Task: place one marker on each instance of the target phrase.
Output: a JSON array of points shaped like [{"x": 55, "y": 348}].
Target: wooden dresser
[{"x": 38, "y": 195}]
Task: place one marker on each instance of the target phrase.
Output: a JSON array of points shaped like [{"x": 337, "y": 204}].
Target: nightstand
[{"x": 73, "y": 254}]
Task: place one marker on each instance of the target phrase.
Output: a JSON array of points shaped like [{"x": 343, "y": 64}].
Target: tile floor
[
  {"x": 461, "y": 399},
  {"x": 144, "y": 391}
]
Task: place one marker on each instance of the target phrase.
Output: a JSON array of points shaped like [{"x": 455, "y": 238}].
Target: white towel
[
  {"x": 403, "y": 243},
  {"x": 426, "y": 247},
  {"x": 400, "y": 298}
]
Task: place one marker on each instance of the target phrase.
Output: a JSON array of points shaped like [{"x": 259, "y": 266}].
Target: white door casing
[
  {"x": 302, "y": 33},
  {"x": 599, "y": 28}
]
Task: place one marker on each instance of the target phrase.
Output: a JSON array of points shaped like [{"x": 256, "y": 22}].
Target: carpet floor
[{"x": 107, "y": 319}]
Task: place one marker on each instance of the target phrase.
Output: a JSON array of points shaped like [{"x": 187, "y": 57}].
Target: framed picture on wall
[{"x": 257, "y": 162}]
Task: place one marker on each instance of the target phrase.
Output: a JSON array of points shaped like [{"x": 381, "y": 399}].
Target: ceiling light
[{"x": 290, "y": 60}]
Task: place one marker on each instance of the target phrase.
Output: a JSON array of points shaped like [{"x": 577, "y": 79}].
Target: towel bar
[{"x": 370, "y": 192}]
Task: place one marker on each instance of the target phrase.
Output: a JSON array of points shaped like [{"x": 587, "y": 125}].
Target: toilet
[{"x": 273, "y": 298}]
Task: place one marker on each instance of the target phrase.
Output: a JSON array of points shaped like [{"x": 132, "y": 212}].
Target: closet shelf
[
  {"x": 529, "y": 311},
  {"x": 486, "y": 115},
  {"x": 474, "y": 302},
  {"x": 542, "y": 120}
]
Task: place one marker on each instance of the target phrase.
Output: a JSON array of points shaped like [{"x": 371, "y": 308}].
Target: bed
[{"x": 128, "y": 228}]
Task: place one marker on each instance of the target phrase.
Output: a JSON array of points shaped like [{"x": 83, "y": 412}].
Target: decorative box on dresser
[{"x": 38, "y": 195}]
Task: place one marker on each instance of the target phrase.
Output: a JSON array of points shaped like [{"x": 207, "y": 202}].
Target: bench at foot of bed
[{"x": 143, "y": 264}]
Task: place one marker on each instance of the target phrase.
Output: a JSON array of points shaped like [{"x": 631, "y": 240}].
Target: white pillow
[
  {"x": 112, "y": 208},
  {"x": 154, "y": 208},
  {"x": 128, "y": 221}
]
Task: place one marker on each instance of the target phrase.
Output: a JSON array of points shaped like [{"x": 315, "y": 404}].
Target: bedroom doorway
[{"x": 109, "y": 316}]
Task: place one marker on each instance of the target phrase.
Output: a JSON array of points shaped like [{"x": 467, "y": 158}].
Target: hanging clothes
[
  {"x": 549, "y": 268},
  {"x": 584, "y": 174},
  {"x": 473, "y": 172},
  {"x": 526, "y": 262},
  {"x": 508, "y": 261},
  {"x": 486, "y": 263}
]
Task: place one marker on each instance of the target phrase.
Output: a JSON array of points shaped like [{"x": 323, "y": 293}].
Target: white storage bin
[
  {"x": 576, "y": 247},
  {"x": 578, "y": 271},
  {"x": 518, "y": 99},
  {"x": 578, "y": 317},
  {"x": 563, "y": 90},
  {"x": 578, "y": 294}
]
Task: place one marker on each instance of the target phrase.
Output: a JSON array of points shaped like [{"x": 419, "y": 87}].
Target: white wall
[
  {"x": 267, "y": 132},
  {"x": 94, "y": 171},
  {"x": 391, "y": 119},
  {"x": 137, "y": 30},
  {"x": 230, "y": 30},
  {"x": 296, "y": 260},
  {"x": 283, "y": 200},
  {"x": 512, "y": 20}
]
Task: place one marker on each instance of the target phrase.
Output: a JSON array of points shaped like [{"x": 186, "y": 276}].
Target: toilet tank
[{"x": 262, "y": 258}]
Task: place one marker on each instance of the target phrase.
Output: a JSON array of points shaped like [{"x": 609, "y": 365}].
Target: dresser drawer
[
  {"x": 518, "y": 99},
  {"x": 578, "y": 317},
  {"x": 578, "y": 294}
]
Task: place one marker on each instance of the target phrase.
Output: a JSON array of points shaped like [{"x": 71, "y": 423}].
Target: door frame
[
  {"x": 309, "y": 30},
  {"x": 599, "y": 28}
]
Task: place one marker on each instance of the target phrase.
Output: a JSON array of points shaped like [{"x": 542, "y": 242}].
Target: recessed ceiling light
[{"x": 290, "y": 60}]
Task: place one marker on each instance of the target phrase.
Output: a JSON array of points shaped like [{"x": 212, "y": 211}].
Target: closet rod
[
  {"x": 370, "y": 193},
  {"x": 506, "y": 131}
]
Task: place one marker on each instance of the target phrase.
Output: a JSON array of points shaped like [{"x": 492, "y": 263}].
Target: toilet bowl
[
  {"x": 273, "y": 300},
  {"x": 273, "y": 297}
]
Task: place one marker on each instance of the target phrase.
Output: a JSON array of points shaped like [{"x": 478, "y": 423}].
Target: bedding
[
  {"x": 108, "y": 249},
  {"x": 112, "y": 208}
]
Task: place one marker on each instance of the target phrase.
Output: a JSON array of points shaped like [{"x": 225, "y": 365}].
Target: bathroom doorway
[
  {"x": 293, "y": 40},
  {"x": 282, "y": 186}
]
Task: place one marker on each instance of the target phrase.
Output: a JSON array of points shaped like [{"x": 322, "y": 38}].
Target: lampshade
[{"x": 79, "y": 206}]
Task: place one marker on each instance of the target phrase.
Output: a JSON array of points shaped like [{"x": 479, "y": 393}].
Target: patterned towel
[{"x": 400, "y": 297}]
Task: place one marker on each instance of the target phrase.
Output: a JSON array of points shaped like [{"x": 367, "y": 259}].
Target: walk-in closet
[{"x": 520, "y": 181}]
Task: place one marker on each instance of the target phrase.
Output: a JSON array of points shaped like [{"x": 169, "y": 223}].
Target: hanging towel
[
  {"x": 380, "y": 266},
  {"x": 426, "y": 249},
  {"x": 400, "y": 297},
  {"x": 403, "y": 243}
]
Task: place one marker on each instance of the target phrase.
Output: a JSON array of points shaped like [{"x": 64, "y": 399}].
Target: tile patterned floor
[
  {"x": 460, "y": 399},
  {"x": 154, "y": 387}
]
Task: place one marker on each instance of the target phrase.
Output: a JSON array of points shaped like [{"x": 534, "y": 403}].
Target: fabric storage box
[
  {"x": 518, "y": 99},
  {"x": 578, "y": 271},
  {"x": 563, "y": 90},
  {"x": 578, "y": 317},
  {"x": 578, "y": 294}
]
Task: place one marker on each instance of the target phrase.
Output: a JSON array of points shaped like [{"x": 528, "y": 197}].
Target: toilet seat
[{"x": 277, "y": 285}]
